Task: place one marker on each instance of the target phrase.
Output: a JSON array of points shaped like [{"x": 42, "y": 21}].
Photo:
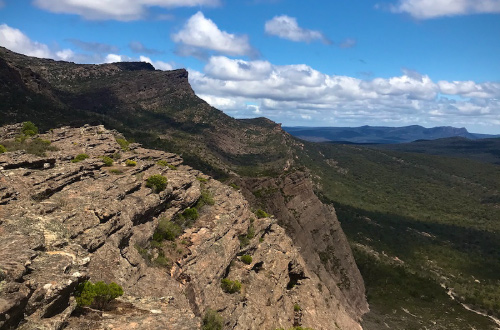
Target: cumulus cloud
[
  {"x": 286, "y": 27},
  {"x": 298, "y": 92},
  {"x": 159, "y": 65},
  {"x": 17, "y": 41},
  {"x": 138, "y": 47},
  {"x": 121, "y": 10},
  {"x": 428, "y": 9},
  {"x": 200, "y": 32},
  {"x": 221, "y": 67}
]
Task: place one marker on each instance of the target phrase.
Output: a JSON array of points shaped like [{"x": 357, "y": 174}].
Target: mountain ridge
[{"x": 380, "y": 134}]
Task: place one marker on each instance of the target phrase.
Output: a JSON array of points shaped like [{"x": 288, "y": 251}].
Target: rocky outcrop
[
  {"x": 64, "y": 222},
  {"x": 291, "y": 199}
]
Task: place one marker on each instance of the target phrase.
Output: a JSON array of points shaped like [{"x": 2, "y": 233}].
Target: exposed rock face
[
  {"x": 306, "y": 219},
  {"x": 63, "y": 222}
]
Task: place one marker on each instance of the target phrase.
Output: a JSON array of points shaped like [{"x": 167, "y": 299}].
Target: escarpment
[{"x": 64, "y": 221}]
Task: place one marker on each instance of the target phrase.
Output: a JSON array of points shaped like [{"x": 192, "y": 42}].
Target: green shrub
[
  {"x": 161, "y": 260},
  {"x": 29, "y": 129},
  {"x": 212, "y": 321},
  {"x": 116, "y": 156},
  {"x": 166, "y": 230},
  {"x": 124, "y": 144},
  {"x": 246, "y": 259},
  {"x": 229, "y": 286},
  {"x": 296, "y": 308},
  {"x": 190, "y": 213},
  {"x": 108, "y": 161},
  {"x": 115, "y": 171},
  {"x": 2, "y": 149},
  {"x": 97, "y": 295},
  {"x": 234, "y": 186},
  {"x": 201, "y": 179},
  {"x": 261, "y": 214},
  {"x": 164, "y": 163},
  {"x": 206, "y": 198},
  {"x": 157, "y": 183},
  {"x": 79, "y": 158},
  {"x": 129, "y": 162}
]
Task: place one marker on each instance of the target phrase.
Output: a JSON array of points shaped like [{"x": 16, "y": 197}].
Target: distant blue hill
[{"x": 380, "y": 134}]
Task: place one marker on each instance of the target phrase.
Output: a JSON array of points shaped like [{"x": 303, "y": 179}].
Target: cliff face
[{"x": 64, "y": 222}]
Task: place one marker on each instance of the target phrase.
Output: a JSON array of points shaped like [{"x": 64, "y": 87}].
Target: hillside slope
[
  {"x": 64, "y": 222},
  {"x": 483, "y": 150},
  {"x": 160, "y": 110}
]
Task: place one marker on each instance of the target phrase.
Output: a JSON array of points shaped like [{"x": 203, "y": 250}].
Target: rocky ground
[{"x": 64, "y": 222}]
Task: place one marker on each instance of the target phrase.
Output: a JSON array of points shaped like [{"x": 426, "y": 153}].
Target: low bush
[
  {"x": 234, "y": 186},
  {"x": 229, "y": 286},
  {"x": 190, "y": 213},
  {"x": 29, "y": 129},
  {"x": 206, "y": 198},
  {"x": 296, "y": 308},
  {"x": 115, "y": 171},
  {"x": 2, "y": 149},
  {"x": 261, "y": 214},
  {"x": 164, "y": 163},
  {"x": 246, "y": 259},
  {"x": 108, "y": 161},
  {"x": 97, "y": 295},
  {"x": 166, "y": 230},
  {"x": 212, "y": 321},
  {"x": 130, "y": 163},
  {"x": 79, "y": 158},
  {"x": 124, "y": 144},
  {"x": 157, "y": 183}
]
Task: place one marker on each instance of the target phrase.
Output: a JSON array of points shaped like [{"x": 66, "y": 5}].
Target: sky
[{"x": 299, "y": 63}]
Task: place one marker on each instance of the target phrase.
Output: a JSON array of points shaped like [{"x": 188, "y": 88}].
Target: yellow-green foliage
[
  {"x": 164, "y": 163},
  {"x": 97, "y": 295},
  {"x": 124, "y": 144},
  {"x": 79, "y": 158},
  {"x": 29, "y": 129},
  {"x": 157, "y": 183},
  {"x": 229, "y": 286},
  {"x": 130, "y": 162},
  {"x": 261, "y": 214},
  {"x": 108, "y": 161},
  {"x": 246, "y": 259},
  {"x": 2, "y": 149},
  {"x": 212, "y": 321}
]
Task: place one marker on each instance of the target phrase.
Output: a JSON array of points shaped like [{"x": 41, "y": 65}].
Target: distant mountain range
[{"x": 380, "y": 134}]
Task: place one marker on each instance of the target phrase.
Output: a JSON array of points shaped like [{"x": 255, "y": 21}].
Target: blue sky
[{"x": 308, "y": 63}]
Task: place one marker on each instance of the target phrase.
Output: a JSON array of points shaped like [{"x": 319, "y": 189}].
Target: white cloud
[
  {"x": 122, "y": 10},
  {"x": 65, "y": 55},
  {"x": 427, "y": 9},
  {"x": 200, "y": 32},
  {"x": 159, "y": 65},
  {"x": 286, "y": 27},
  {"x": 221, "y": 67},
  {"x": 18, "y": 42},
  {"x": 298, "y": 92}
]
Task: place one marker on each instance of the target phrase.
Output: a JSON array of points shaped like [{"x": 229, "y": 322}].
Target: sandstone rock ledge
[{"x": 62, "y": 223}]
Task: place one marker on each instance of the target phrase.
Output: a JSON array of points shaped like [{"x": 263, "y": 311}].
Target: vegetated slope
[
  {"x": 421, "y": 227},
  {"x": 160, "y": 110},
  {"x": 483, "y": 150},
  {"x": 378, "y": 134},
  {"x": 70, "y": 214}
]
